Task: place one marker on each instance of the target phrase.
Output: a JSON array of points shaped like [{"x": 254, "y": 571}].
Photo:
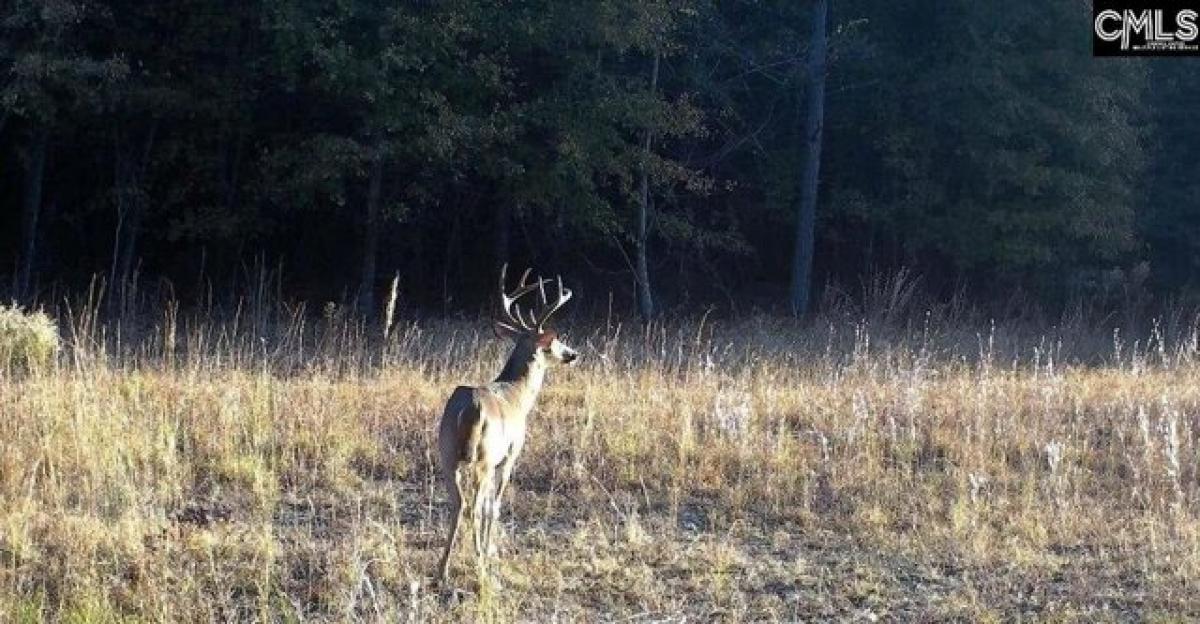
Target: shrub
[{"x": 28, "y": 340}]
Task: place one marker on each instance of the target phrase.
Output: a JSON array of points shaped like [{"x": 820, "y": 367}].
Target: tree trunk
[
  {"x": 417, "y": 271},
  {"x": 645, "y": 297},
  {"x": 31, "y": 209},
  {"x": 129, "y": 221},
  {"x": 801, "y": 291},
  {"x": 453, "y": 250},
  {"x": 231, "y": 165},
  {"x": 131, "y": 168},
  {"x": 370, "y": 244},
  {"x": 503, "y": 240}
]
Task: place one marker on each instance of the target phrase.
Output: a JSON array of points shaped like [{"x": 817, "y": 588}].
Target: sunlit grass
[{"x": 751, "y": 470}]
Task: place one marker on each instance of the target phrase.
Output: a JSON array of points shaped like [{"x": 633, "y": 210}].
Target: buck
[{"x": 483, "y": 427}]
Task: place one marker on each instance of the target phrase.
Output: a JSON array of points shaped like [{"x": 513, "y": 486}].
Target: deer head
[{"x": 533, "y": 339}]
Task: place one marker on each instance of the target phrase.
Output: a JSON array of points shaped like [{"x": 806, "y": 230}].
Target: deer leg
[
  {"x": 455, "y": 490},
  {"x": 483, "y": 485},
  {"x": 504, "y": 472}
]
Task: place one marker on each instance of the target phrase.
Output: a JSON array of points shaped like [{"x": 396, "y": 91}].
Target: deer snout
[{"x": 569, "y": 356}]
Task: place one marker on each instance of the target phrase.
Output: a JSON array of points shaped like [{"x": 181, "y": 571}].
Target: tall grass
[{"x": 275, "y": 464}]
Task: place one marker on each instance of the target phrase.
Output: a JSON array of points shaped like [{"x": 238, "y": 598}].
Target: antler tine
[
  {"x": 564, "y": 295},
  {"x": 521, "y": 319},
  {"x": 508, "y": 301}
]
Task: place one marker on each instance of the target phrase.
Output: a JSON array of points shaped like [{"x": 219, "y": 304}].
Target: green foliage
[
  {"x": 1003, "y": 148},
  {"x": 1170, "y": 217},
  {"x": 50, "y": 72},
  {"x": 973, "y": 145}
]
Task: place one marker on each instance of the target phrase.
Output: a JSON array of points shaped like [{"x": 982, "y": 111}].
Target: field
[{"x": 281, "y": 469}]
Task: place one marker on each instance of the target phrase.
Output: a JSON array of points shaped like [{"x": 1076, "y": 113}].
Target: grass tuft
[{"x": 28, "y": 340}]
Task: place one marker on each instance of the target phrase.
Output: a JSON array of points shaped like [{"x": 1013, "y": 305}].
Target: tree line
[{"x": 674, "y": 153}]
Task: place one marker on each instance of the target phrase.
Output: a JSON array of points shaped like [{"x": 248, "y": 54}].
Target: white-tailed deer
[{"x": 483, "y": 427}]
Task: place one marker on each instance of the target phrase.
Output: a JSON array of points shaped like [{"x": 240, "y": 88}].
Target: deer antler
[
  {"x": 508, "y": 300},
  {"x": 537, "y": 321},
  {"x": 564, "y": 295}
]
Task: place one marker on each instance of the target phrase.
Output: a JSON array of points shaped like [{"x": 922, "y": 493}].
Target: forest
[{"x": 665, "y": 156}]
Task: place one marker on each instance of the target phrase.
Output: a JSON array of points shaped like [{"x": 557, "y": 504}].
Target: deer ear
[{"x": 504, "y": 330}]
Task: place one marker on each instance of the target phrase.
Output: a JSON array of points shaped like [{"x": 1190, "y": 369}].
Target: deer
[{"x": 482, "y": 429}]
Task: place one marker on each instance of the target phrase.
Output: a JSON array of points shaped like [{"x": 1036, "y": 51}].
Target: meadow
[{"x": 279, "y": 466}]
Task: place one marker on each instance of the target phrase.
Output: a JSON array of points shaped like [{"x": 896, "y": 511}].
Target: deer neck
[{"x": 521, "y": 381}]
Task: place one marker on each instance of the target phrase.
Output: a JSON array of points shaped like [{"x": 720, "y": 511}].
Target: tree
[
  {"x": 810, "y": 176},
  {"x": 1169, "y": 217},
  {"x": 402, "y": 93},
  {"x": 645, "y": 297},
  {"x": 987, "y": 148},
  {"x": 49, "y": 76}
]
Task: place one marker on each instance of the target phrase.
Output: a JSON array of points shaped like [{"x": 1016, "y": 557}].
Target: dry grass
[
  {"x": 28, "y": 340},
  {"x": 704, "y": 471}
]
